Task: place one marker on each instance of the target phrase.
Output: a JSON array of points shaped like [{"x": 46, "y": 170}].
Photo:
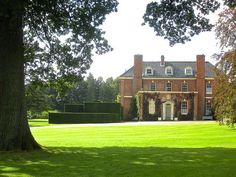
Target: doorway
[{"x": 168, "y": 110}]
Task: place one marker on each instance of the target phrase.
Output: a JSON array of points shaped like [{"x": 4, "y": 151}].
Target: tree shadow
[{"x": 121, "y": 161}]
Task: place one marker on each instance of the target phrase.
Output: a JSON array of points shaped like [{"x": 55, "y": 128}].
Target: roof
[{"x": 178, "y": 69}]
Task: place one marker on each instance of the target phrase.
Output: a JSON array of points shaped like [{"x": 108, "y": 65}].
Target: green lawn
[
  {"x": 195, "y": 150},
  {"x": 38, "y": 122}
]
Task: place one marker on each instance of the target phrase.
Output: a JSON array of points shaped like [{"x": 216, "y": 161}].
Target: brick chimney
[
  {"x": 200, "y": 70},
  {"x": 138, "y": 68},
  {"x": 162, "y": 63}
]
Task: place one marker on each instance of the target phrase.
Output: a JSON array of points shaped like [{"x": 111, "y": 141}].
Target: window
[
  {"x": 149, "y": 71},
  {"x": 168, "y": 86},
  {"x": 184, "y": 87},
  {"x": 208, "y": 108},
  {"x": 184, "y": 108},
  {"x": 169, "y": 70},
  {"x": 153, "y": 87},
  {"x": 188, "y": 71},
  {"x": 208, "y": 88}
]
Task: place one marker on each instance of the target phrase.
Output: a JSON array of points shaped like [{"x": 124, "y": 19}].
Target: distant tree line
[{"x": 42, "y": 97}]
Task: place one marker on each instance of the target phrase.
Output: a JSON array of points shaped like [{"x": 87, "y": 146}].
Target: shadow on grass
[{"x": 121, "y": 161}]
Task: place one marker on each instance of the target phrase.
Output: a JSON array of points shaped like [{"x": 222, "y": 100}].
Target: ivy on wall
[{"x": 159, "y": 99}]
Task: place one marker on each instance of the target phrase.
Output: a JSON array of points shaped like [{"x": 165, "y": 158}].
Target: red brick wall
[
  {"x": 129, "y": 87},
  {"x": 200, "y": 68},
  {"x": 137, "y": 80},
  {"x": 176, "y": 84}
]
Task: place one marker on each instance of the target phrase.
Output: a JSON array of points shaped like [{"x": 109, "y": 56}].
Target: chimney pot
[{"x": 162, "y": 61}]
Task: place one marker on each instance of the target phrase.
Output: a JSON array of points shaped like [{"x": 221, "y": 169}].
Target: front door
[{"x": 168, "y": 111}]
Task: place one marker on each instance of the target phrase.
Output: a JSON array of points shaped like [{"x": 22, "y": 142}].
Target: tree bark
[{"x": 14, "y": 129}]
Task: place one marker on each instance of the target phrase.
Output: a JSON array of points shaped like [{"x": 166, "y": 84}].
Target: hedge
[
  {"x": 102, "y": 107},
  {"x": 68, "y": 117},
  {"x": 73, "y": 108}
]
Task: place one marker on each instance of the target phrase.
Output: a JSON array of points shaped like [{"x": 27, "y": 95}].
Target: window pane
[
  {"x": 153, "y": 87},
  {"x": 184, "y": 87},
  {"x": 168, "y": 86},
  {"x": 208, "y": 88},
  {"x": 184, "y": 108},
  {"x": 208, "y": 107}
]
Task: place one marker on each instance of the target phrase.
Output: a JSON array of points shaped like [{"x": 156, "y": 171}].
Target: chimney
[
  {"x": 162, "y": 61},
  {"x": 138, "y": 69},
  {"x": 200, "y": 70}
]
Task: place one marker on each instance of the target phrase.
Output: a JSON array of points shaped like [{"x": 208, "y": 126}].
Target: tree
[
  {"x": 91, "y": 88},
  {"x": 133, "y": 110},
  {"x": 47, "y": 39},
  {"x": 178, "y": 21},
  {"x": 225, "y": 87}
]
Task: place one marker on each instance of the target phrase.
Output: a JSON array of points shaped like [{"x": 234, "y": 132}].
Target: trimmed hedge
[
  {"x": 102, "y": 107},
  {"x": 73, "y": 108},
  {"x": 68, "y": 117}
]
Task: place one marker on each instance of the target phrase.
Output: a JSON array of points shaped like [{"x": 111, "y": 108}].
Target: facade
[{"x": 168, "y": 90}]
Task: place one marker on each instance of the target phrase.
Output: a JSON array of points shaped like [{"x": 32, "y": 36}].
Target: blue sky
[{"x": 128, "y": 37}]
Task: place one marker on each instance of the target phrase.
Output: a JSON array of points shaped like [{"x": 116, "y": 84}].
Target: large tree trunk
[{"x": 14, "y": 129}]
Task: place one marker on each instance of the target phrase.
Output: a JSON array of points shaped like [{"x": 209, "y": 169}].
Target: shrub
[
  {"x": 65, "y": 117},
  {"x": 73, "y": 108},
  {"x": 102, "y": 107},
  {"x": 133, "y": 109}
]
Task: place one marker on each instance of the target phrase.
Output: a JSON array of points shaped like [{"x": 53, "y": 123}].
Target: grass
[
  {"x": 38, "y": 122},
  {"x": 193, "y": 150}
]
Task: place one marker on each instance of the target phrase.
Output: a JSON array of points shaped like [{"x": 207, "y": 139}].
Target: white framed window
[
  {"x": 148, "y": 71},
  {"x": 184, "y": 87},
  {"x": 168, "y": 86},
  {"x": 184, "y": 107},
  {"x": 169, "y": 70},
  {"x": 153, "y": 86},
  {"x": 208, "y": 111},
  {"x": 188, "y": 71},
  {"x": 208, "y": 88}
]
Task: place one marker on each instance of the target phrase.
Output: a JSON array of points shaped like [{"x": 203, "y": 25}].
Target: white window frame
[
  {"x": 182, "y": 86},
  {"x": 188, "y": 71},
  {"x": 169, "y": 71},
  {"x": 208, "y": 89},
  {"x": 168, "y": 87},
  {"x": 153, "y": 85},
  {"x": 208, "y": 110},
  {"x": 184, "y": 107},
  {"x": 147, "y": 71}
]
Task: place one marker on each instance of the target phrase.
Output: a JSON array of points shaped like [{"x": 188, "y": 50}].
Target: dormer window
[
  {"x": 148, "y": 71},
  {"x": 188, "y": 71},
  {"x": 169, "y": 70}
]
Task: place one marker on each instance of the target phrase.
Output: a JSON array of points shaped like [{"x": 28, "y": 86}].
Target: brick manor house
[{"x": 165, "y": 90}]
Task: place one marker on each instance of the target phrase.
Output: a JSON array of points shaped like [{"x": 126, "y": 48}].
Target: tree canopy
[
  {"x": 178, "y": 21},
  {"x": 47, "y": 40},
  {"x": 62, "y": 35},
  {"x": 225, "y": 86}
]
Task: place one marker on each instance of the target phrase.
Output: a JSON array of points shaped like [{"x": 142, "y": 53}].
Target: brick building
[{"x": 168, "y": 90}]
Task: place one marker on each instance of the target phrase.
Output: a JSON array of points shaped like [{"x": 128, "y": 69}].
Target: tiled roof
[{"x": 178, "y": 69}]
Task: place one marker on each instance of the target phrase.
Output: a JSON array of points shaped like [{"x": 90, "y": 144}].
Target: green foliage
[
  {"x": 65, "y": 118},
  {"x": 69, "y": 33},
  {"x": 73, "y": 108},
  {"x": 102, "y": 107},
  {"x": 225, "y": 87},
  {"x": 133, "y": 111},
  {"x": 37, "y": 99},
  {"x": 178, "y": 21}
]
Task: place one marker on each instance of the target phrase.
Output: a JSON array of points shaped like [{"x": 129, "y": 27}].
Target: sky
[{"x": 128, "y": 37}]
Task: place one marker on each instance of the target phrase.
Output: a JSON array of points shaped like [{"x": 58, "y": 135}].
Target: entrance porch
[{"x": 166, "y": 106}]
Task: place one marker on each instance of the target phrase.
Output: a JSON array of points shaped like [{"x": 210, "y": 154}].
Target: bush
[
  {"x": 33, "y": 115},
  {"x": 65, "y": 117},
  {"x": 102, "y": 107},
  {"x": 73, "y": 108},
  {"x": 133, "y": 111}
]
